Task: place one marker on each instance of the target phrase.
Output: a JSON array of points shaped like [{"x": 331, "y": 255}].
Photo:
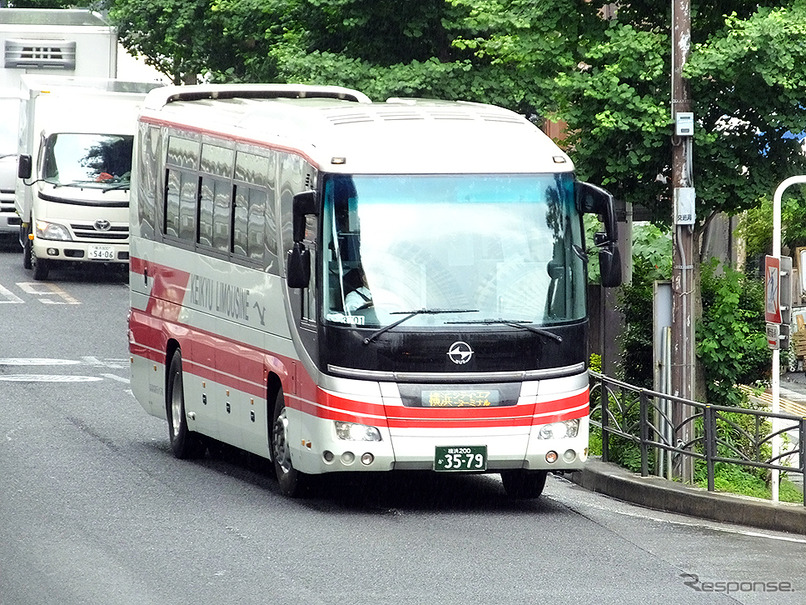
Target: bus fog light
[
  {"x": 347, "y": 458},
  {"x": 328, "y": 456},
  {"x": 349, "y": 431},
  {"x": 551, "y": 457},
  {"x": 559, "y": 430},
  {"x": 367, "y": 459},
  {"x": 569, "y": 455}
]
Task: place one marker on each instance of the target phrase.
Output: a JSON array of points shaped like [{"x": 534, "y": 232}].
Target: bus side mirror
[
  {"x": 610, "y": 266},
  {"x": 24, "y": 166},
  {"x": 593, "y": 199},
  {"x": 303, "y": 205},
  {"x": 298, "y": 274}
]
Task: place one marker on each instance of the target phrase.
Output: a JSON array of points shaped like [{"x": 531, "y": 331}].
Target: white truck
[
  {"x": 67, "y": 42},
  {"x": 75, "y": 159}
]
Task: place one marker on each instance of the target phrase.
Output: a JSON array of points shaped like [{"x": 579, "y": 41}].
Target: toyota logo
[
  {"x": 102, "y": 225},
  {"x": 460, "y": 353}
]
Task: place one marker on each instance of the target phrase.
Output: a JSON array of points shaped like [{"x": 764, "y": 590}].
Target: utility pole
[{"x": 683, "y": 238}]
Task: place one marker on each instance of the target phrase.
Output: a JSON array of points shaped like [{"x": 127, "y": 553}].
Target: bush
[{"x": 731, "y": 339}]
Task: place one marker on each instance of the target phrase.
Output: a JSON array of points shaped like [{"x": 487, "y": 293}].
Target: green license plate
[{"x": 463, "y": 458}]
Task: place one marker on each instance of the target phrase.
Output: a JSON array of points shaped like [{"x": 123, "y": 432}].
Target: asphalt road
[{"x": 95, "y": 510}]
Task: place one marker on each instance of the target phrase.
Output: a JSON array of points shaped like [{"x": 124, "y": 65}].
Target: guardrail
[{"x": 667, "y": 429}]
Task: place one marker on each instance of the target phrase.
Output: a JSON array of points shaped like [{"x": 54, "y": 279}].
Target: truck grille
[{"x": 88, "y": 232}]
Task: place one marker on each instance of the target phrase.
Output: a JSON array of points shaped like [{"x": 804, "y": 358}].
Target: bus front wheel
[
  {"x": 292, "y": 482},
  {"x": 523, "y": 484},
  {"x": 184, "y": 442}
]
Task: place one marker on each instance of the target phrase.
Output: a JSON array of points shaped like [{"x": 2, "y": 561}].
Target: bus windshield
[
  {"x": 498, "y": 249},
  {"x": 88, "y": 160}
]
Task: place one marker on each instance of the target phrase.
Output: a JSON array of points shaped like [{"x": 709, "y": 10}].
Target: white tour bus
[{"x": 341, "y": 285}]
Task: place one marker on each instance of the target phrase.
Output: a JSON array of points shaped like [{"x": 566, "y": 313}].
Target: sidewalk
[{"x": 661, "y": 494}]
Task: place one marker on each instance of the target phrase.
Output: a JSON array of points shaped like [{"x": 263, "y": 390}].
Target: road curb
[{"x": 661, "y": 494}]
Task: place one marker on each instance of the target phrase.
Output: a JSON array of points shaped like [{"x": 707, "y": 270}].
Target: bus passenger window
[
  {"x": 240, "y": 241},
  {"x": 222, "y": 192},
  {"x": 172, "y": 203}
]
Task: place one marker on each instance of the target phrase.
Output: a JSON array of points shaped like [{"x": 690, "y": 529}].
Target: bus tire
[
  {"x": 292, "y": 482},
  {"x": 522, "y": 484},
  {"x": 40, "y": 266},
  {"x": 184, "y": 442}
]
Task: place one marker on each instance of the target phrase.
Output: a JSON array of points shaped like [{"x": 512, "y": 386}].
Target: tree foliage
[{"x": 604, "y": 72}]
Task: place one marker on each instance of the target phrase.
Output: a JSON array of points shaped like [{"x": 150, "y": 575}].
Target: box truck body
[{"x": 61, "y": 42}]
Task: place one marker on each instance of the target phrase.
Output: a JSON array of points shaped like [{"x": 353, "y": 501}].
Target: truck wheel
[
  {"x": 292, "y": 482},
  {"x": 184, "y": 442},
  {"x": 40, "y": 266},
  {"x": 522, "y": 484},
  {"x": 26, "y": 253}
]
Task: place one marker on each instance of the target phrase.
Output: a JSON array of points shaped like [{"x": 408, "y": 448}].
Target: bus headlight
[
  {"x": 559, "y": 430},
  {"x": 349, "y": 431},
  {"x": 45, "y": 230}
]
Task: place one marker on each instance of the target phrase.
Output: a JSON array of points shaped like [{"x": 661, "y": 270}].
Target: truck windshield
[
  {"x": 88, "y": 160},
  {"x": 468, "y": 249}
]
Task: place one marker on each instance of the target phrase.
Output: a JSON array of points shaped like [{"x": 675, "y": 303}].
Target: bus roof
[{"x": 339, "y": 130}]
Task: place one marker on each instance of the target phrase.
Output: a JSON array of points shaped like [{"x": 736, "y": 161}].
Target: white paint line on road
[
  {"x": 45, "y": 291},
  {"x": 9, "y": 297},
  {"x": 47, "y": 378},
  {"x": 115, "y": 377},
  {"x": 37, "y": 361}
]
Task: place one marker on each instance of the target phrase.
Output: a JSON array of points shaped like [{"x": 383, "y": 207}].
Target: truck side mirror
[{"x": 24, "y": 166}]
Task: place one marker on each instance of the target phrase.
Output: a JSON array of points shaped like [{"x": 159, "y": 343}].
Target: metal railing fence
[{"x": 668, "y": 429}]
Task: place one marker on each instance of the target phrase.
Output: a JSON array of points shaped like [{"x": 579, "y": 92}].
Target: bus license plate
[
  {"x": 101, "y": 253},
  {"x": 466, "y": 458}
]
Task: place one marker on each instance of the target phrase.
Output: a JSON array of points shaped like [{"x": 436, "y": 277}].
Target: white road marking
[
  {"x": 47, "y": 378},
  {"x": 37, "y": 361},
  {"x": 44, "y": 291},
  {"x": 9, "y": 297},
  {"x": 115, "y": 377}
]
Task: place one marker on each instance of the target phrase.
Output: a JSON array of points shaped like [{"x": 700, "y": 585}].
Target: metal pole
[
  {"x": 776, "y": 353},
  {"x": 683, "y": 256}
]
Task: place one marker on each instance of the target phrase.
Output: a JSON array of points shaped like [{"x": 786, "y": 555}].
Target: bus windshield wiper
[
  {"x": 515, "y": 323},
  {"x": 409, "y": 314}
]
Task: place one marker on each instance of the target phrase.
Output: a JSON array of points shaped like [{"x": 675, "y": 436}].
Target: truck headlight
[
  {"x": 559, "y": 430},
  {"x": 45, "y": 230},
  {"x": 349, "y": 431}
]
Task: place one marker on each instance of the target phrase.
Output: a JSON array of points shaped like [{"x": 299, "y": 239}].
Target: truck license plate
[
  {"x": 465, "y": 458},
  {"x": 101, "y": 253}
]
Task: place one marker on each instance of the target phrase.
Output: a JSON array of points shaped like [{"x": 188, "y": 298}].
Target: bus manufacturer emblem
[
  {"x": 460, "y": 353},
  {"x": 102, "y": 225}
]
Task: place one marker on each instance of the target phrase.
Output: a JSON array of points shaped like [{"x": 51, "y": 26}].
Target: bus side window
[{"x": 172, "y": 191}]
